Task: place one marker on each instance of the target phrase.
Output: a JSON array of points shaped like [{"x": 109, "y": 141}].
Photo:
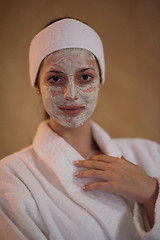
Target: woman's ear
[{"x": 37, "y": 90}]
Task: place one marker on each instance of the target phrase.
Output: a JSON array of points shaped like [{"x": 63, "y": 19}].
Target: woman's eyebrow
[
  {"x": 85, "y": 69},
  {"x": 82, "y": 70},
  {"x": 55, "y": 71}
]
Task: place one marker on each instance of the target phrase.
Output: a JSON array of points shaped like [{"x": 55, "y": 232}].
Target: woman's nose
[{"x": 70, "y": 92}]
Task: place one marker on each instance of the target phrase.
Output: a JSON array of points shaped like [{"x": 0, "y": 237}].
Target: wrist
[
  {"x": 152, "y": 194},
  {"x": 149, "y": 204}
]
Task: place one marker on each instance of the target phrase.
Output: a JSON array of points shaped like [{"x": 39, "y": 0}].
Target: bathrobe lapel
[{"x": 108, "y": 209}]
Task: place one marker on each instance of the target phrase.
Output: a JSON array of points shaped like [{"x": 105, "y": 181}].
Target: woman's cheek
[
  {"x": 89, "y": 95},
  {"x": 55, "y": 91},
  {"x": 50, "y": 99},
  {"x": 90, "y": 91}
]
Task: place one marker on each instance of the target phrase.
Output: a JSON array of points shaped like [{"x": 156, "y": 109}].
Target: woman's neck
[{"x": 79, "y": 138}]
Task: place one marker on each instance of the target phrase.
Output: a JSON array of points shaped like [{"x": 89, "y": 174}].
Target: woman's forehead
[{"x": 80, "y": 56}]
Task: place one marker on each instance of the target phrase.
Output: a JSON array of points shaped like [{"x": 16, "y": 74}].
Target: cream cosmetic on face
[{"x": 69, "y": 83}]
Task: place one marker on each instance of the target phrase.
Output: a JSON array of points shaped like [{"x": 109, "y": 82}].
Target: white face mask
[{"x": 69, "y": 83}]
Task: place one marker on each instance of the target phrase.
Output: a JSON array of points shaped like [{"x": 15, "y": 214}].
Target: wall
[{"x": 129, "y": 103}]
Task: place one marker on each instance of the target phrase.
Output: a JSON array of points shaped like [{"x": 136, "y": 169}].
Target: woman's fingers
[
  {"x": 96, "y": 174},
  {"x": 104, "y": 186},
  {"x": 99, "y": 162},
  {"x": 91, "y": 164},
  {"x": 102, "y": 167},
  {"x": 104, "y": 158},
  {"x": 118, "y": 176}
]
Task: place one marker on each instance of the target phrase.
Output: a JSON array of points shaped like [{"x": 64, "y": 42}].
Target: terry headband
[{"x": 66, "y": 33}]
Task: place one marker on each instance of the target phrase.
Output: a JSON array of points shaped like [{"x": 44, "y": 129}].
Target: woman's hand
[{"x": 118, "y": 176}]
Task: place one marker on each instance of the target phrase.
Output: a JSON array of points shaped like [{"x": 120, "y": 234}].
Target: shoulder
[
  {"x": 143, "y": 152},
  {"x": 16, "y": 157},
  {"x": 13, "y": 167},
  {"x": 136, "y": 145},
  {"x": 27, "y": 153}
]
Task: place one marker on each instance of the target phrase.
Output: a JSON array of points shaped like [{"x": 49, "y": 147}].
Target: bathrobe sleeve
[
  {"x": 146, "y": 154},
  {"x": 19, "y": 215},
  {"x": 142, "y": 224}
]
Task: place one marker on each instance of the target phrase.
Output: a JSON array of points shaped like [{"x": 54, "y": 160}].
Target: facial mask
[{"x": 73, "y": 104}]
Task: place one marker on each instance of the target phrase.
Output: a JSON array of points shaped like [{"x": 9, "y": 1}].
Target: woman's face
[{"x": 69, "y": 82}]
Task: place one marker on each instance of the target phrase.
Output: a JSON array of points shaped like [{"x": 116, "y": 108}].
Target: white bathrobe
[{"x": 41, "y": 199}]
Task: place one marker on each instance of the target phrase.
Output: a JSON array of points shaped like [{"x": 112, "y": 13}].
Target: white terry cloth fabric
[
  {"x": 66, "y": 33},
  {"x": 41, "y": 199}
]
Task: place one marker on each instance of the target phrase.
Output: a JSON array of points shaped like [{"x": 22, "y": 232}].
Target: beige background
[{"x": 129, "y": 103}]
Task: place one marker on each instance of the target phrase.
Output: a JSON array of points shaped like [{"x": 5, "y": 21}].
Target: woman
[{"x": 74, "y": 182}]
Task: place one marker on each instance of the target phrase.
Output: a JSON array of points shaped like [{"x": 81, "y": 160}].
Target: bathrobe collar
[
  {"x": 46, "y": 141},
  {"x": 105, "y": 207}
]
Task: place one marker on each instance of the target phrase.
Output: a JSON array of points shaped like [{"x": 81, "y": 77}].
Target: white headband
[{"x": 66, "y": 33}]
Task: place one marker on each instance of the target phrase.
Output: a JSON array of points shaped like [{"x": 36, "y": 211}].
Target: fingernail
[
  {"x": 84, "y": 188},
  {"x": 87, "y": 158},
  {"x": 76, "y": 173},
  {"x": 75, "y": 162}
]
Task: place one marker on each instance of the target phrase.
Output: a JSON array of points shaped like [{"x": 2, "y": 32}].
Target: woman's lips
[{"x": 72, "y": 110}]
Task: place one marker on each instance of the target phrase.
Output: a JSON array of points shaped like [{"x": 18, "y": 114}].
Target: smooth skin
[{"x": 122, "y": 178}]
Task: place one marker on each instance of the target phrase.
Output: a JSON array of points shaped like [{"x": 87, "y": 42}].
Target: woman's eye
[
  {"x": 54, "y": 79},
  {"x": 87, "y": 78}
]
